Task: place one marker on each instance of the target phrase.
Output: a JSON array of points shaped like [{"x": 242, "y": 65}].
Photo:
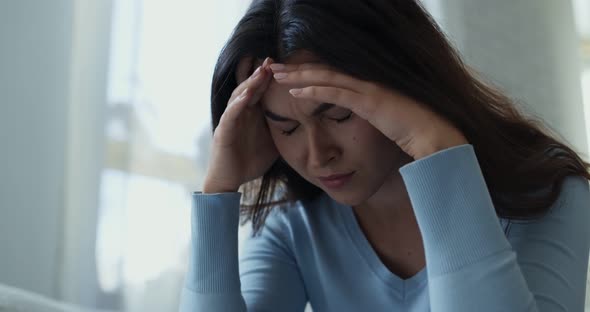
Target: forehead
[{"x": 277, "y": 97}]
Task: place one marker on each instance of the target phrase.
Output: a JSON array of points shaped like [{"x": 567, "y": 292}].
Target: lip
[
  {"x": 336, "y": 180},
  {"x": 334, "y": 176}
]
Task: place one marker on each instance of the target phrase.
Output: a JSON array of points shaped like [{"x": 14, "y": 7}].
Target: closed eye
[
  {"x": 338, "y": 120},
  {"x": 289, "y": 132}
]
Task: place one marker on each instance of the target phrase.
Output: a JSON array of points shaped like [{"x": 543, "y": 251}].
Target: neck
[{"x": 390, "y": 205}]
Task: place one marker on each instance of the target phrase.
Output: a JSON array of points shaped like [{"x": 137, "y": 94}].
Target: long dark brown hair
[{"x": 398, "y": 44}]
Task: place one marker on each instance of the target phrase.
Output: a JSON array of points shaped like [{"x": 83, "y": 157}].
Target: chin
[{"x": 346, "y": 198}]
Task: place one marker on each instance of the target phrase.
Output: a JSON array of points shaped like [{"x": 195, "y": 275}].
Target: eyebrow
[{"x": 318, "y": 110}]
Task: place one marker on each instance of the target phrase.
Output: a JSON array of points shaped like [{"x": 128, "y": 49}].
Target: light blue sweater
[{"x": 475, "y": 261}]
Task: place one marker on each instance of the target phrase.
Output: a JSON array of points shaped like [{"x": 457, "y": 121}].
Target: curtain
[{"x": 158, "y": 134}]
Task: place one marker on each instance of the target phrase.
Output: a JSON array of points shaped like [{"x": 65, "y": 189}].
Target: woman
[{"x": 380, "y": 174}]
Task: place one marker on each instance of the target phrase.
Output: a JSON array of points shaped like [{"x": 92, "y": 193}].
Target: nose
[{"x": 321, "y": 149}]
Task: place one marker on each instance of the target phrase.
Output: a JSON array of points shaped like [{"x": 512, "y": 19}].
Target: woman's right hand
[{"x": 242, "y": 148}]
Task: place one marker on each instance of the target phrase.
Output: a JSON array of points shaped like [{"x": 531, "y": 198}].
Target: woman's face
[{"x": 331, "y": 142}]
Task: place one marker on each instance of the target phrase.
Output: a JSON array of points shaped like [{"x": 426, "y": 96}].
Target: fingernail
[
  {"x": 295, "y": 91},
  {"x": 265, "y": 62},
  {"x": 279, "y": 76},
  {"x": 277, "y": 66}
]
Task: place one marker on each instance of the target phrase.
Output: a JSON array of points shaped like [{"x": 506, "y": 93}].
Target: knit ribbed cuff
[
  {"x": 214, "y": 256},
  {"x": 453, "y": 208},
  {"x": 192, "y": 301}
]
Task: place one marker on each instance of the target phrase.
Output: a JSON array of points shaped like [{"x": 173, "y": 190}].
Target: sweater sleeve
[
  {"x": 269, "y": 278},
  {"x": 472, "y": 264}
]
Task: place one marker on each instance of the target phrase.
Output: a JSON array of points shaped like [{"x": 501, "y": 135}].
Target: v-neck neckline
[{"x": 369, "y": 254}]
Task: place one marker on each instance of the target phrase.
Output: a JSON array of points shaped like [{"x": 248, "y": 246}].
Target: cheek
[
  {"x": 366, "y": 141},
  {"x": 287, "y": 147}
]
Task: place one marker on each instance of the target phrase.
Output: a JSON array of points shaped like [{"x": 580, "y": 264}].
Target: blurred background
[{"x": 105, "y": 132}]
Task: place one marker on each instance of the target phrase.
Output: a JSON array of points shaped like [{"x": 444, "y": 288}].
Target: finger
[
  {"x": 244, "y": 71},
  {"x": 259, "y": 62},
  {"x": 242, "y": 95},
  {"x": 259, "y": 92},
  {"x": 356, "y": 102},
  {"x": 252, "y": 80},
  {"x": 322, "y": 77},
  {"x": 235, "y": 107},
  {"x": 251, "y": 90},
  {"x": 258, "y": 82}
]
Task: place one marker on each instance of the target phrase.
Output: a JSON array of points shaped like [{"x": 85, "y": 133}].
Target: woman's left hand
[{"x": 418, "y": 131}]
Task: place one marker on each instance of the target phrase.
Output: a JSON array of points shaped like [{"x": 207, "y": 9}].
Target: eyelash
[{"x": 288, "y": 133}]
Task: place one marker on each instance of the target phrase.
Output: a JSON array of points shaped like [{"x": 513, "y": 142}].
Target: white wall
[
  {"x": 78, "y": 282},
  {"x": 35, "y": 41},
  {"x": 528, "y": 48},
  {"x": 53, "y": 76}
]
